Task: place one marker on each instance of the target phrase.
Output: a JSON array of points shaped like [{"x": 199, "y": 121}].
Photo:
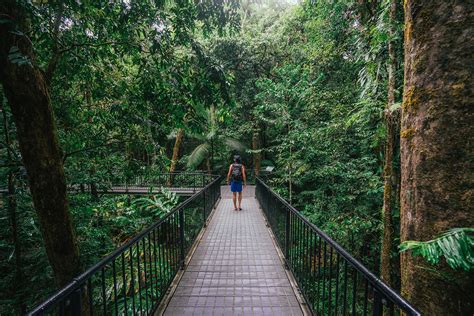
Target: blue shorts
[{"x": 236, "y": 186}]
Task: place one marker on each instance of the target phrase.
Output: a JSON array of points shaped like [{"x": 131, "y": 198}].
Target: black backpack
[{"x": 237, "y": 172}]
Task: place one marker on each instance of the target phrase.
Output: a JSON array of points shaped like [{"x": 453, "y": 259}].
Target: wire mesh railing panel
[
  {"x": 331, "y": 280},
  {"x": 134, "y": 278}
]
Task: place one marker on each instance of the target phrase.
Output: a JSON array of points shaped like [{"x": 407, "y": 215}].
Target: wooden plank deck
[{"x": 235, "y": 269}]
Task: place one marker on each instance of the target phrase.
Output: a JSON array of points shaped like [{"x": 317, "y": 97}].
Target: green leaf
[
  {"x": 235, "y": 144},
  {"x": 198, "y": 155},
  {"x": 456, "y": 246}
]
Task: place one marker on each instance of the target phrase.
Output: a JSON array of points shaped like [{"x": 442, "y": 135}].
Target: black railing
[
  {"x": 171, "y": 179},
  {"x": 185, "y": 181},
  {"x": 134, "y": 278},
  {"x": 332, "y": 281}
]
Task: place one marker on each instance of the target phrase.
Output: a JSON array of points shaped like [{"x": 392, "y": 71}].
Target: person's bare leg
[
  {"x": 240, "y": 200},
  {"x": 234, "y": 199}
]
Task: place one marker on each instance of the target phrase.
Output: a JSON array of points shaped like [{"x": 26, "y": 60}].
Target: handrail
[
  {"x": 174, "y": 223},
  {"x": 299, "y": 227}
]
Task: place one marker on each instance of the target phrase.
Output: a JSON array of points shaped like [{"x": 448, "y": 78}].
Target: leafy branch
[{"x": 455, "y": 245}]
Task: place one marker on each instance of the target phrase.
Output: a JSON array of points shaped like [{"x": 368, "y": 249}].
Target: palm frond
[
  {"x": 235, "y": 144},
  {"x": 198, "y": 155},
  {"x": 212, "y": 134},
  {"x": 455, "y": 245}
]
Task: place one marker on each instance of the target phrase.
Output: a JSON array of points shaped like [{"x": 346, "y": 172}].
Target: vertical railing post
[
  {"x": 181, "y": 236},
  {"x": 204, "y": 217},
  {"x": 76, "y": 304},
  {"x": 287, "y": 234},
  {"x": 378, "y": 305},
  {"x": 213, "y": 195}
]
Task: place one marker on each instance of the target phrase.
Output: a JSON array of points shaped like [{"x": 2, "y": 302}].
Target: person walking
[{"x": 237, "y": 175}]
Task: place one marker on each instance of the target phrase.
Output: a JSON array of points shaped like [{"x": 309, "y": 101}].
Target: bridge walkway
[{"x": 236, "y": 269}]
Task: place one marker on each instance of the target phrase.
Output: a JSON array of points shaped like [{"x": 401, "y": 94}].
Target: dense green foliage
[
  {"x": 307, "y": 82},
  {"x": 310, "y": 81}
]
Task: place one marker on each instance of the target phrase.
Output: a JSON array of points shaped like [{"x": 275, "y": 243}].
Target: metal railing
[
  {"x": 332, "y": 281},
  {"x": 172, "y": 179},
  {"x": 135, "y": 277},
  {"x": 186, "y": 181}
]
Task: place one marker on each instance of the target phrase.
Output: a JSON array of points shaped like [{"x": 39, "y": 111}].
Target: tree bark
[
  {"x": 257, "y": 156},
  {"x": 437, "y": 153},
  {"x": 391, "y": 122},
  {"x": 208, "y": 165},
  {"x": 175, "y": 156},
  {"x": 28, "y": 97}
]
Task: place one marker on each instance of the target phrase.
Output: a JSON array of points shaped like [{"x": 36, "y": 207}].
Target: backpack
[{"x": 237, "y": 172}]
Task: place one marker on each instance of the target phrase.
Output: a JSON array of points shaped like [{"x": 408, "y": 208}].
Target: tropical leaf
[
  {"x": 212, "y": 134},
  {"x": 158, "y": 204},
  {"x": 455, "y": 245},
  {"x": 198, "y": 155},
  {"x": 235, "y": 144}
]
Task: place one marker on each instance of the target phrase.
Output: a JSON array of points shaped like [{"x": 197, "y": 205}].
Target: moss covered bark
[
  {"x": 28, "y": 97},
  {"x": 257, "y": 155},
  {"x": 391, "y": 124},
  {"x": 437, "y": 152},
  {"x": 175, "y": 156}
]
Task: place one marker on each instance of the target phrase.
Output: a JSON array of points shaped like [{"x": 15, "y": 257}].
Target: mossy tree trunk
[
  {"x": 257, "y": 155},
  {"x": 392, "y": 122},
  {"x": 437, "y": 152},
  {"x": 175, "y": 156},
  {"x": 28, "y": 97},
  {"x": 208, "y": 165}
]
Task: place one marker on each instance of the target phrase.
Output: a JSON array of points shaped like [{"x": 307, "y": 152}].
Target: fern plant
[
  {"x": 158, "y": 205},
  {"x": 455, "y": 245}
]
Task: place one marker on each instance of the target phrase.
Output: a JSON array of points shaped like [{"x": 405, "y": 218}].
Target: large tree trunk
[
  {"x": 257, "y": 156},
  {"x": 208, "y": 165},
  {"x": 391, "y": 122},
  {"x": 28, "y": 97},
  {"x": 388, "y": 203},
  {"x": 175, "y": 156},
  {"x": 437, "y": 153}
]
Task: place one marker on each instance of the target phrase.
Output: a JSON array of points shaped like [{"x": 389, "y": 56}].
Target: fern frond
[
  {"x": 158, "y": 204},
  {"x": 455, "y": 245}
]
